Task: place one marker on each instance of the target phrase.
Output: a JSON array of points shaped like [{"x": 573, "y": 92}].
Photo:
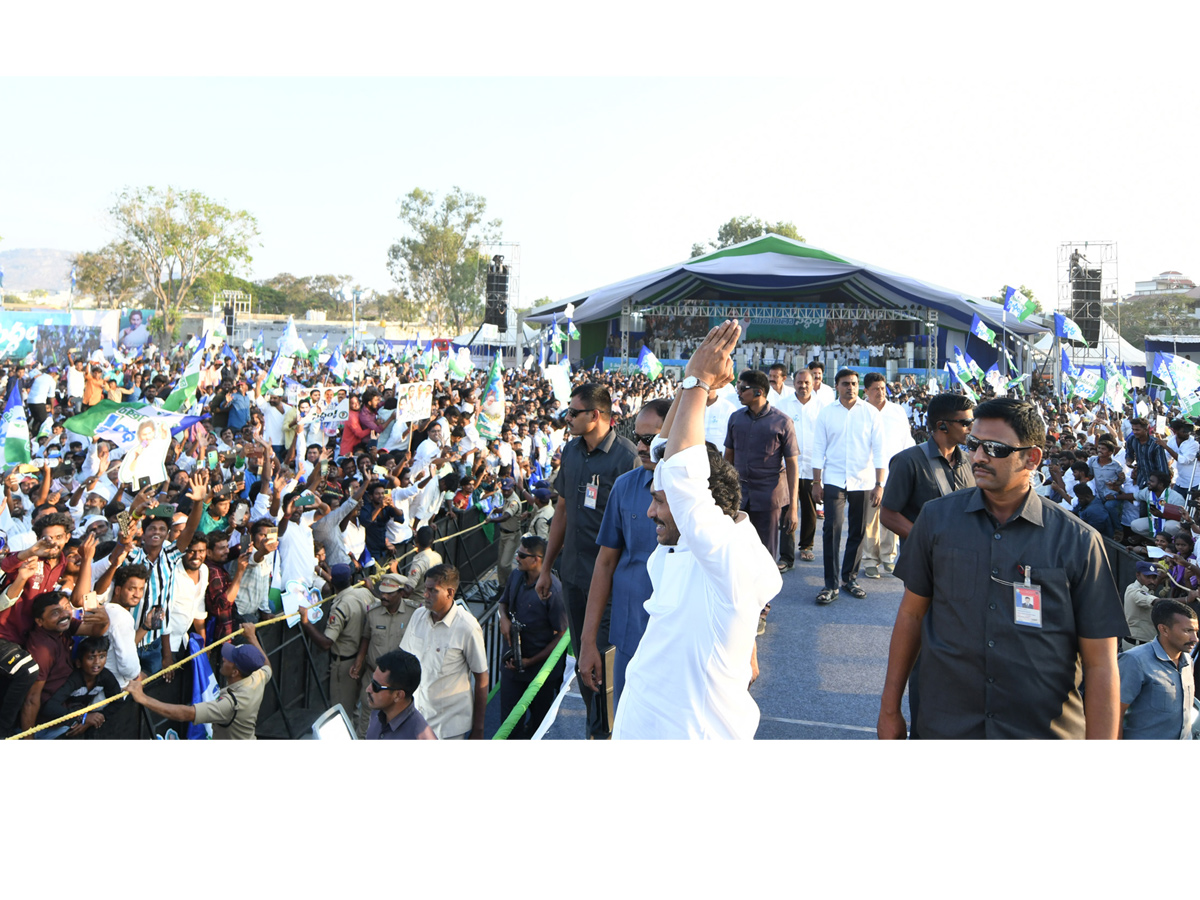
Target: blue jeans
[
  {"x": 1113, "y": 508},
  {"x": 150, "y": 657}
]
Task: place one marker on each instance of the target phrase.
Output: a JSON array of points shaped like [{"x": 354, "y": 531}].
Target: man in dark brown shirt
[{"x": 760, "y": 442}]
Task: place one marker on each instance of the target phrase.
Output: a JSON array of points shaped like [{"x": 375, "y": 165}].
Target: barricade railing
[
  {"x": 535, "y": 687},
  {"x": 490, "y": 615}
]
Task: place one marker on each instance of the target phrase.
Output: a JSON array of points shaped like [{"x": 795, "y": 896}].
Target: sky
[{"x": 955, "y": 150}]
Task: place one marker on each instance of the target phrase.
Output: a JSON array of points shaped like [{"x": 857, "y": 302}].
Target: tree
[
  {"x": 177, "y": 237},
  {"x": 441, "y": 266},
  {"x": 109, "y": 274},
  {"x": 1154, "y": 314},
  {"x": 745, "y": 228}
]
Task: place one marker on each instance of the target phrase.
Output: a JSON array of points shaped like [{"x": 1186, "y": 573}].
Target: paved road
[{"x": 821, "y": 668}]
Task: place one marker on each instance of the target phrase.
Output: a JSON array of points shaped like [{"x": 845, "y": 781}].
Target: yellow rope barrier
[{"x": 171, "y": 668}]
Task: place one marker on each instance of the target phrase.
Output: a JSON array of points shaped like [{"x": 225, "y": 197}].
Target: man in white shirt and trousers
[
  {"x": 881, "y": 546},
  {"x": 712, "y": 576},
  {"x": 847, "y": 445}
]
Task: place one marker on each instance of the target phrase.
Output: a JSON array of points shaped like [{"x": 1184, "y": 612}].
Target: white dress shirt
[
  {"x": 1185, "y": 466},
  {"x": 848, "y": 445},
  {"x": 122, "y": 659},
  {"x": 689, "y": 676},
  {"x": 897, "y": 432},
  {"x": 716, "y": 421},
  {"x": 187, "y": 604},
  {"x": 804, "y": 418},
  {"x": 825, "y": 395}
]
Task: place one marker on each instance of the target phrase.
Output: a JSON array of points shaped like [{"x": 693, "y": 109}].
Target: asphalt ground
[{"x": 821, "y": 668}]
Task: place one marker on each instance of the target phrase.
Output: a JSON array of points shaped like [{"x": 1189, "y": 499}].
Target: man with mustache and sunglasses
[{"x": 1010, "y": 602}]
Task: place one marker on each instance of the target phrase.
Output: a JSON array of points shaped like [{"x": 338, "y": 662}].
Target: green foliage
[
  {"x": 1158, "y": 314},
  {"x": 109, "y": 274},
  {"x": 745, "y": 228},
  {"x": 39, "y": 292},
  {"x": 175, "y": 237},
  {"x": 440, "y": 265}
]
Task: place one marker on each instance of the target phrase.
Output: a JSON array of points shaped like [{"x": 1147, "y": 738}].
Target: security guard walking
[{"x": 343, "y": 636}]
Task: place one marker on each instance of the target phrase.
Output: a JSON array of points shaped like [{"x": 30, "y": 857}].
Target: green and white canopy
[{"x": 774, "y": 268}]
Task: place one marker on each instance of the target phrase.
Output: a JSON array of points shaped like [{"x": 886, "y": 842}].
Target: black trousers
[
  {"x": 37, "y": 415},
  {"x": 843, "y": 509},
  {"x": 18, "y": 672},
  {"x": 766, "y": 523},
  {"x": 575, "y": 599},
  {"x": 512, "y": 688},
  {"x": 808, "y": 525}
]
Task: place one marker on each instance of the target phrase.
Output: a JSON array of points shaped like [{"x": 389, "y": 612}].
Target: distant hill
[{"x": 26, "y": 270}]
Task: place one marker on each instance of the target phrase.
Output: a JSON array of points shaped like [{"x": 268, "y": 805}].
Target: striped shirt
[{"x": 160, "y": 586}]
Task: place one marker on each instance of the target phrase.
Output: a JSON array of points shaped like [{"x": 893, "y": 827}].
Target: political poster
[{"x": 414, "y": 401}]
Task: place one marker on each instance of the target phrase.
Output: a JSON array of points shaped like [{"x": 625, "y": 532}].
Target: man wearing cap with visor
[
  {"x": 383, "y": 631},
  {"x": 342, "y": 636},
  {"x": 234, "y": 713},
  {"x": 508, "y": 522}
]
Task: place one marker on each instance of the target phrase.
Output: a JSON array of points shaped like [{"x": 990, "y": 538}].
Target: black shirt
[
  {"x": 911, "y": 483},
  {"x": 612, "y": 458},
  {"x": 982, "y": 675}
]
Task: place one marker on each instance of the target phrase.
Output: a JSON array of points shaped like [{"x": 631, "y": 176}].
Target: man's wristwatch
[{"x": 692, "y": 382}]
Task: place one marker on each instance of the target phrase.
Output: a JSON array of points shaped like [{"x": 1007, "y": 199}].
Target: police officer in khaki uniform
[
  {"x": 508, "y": 521},
  {"x": 342, "y": 637},
  {"x": 425, "y": 557},
  {"x": 384, "y": 628},
  {"x": 539, "y": 525}
]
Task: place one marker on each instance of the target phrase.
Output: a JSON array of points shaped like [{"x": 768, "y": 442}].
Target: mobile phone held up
[{"x": 213, "y": 459}]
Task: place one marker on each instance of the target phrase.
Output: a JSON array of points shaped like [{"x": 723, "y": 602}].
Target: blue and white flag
[
  {"x": 1068, "y": 367},
  {"x": 982, "y": 332},
  {"x": 73, "y": 268},
  {"x": 338, "y": 367},
  {"x": 649, "y": 363},
  {"x": 1017, "y": 304},
  {"x": 1066, "y": 328},
  {"x": 14, "y": 428},
  {"x": 204, "y": 689}
]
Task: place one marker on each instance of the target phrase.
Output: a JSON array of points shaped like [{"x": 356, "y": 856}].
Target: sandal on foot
[
  {"x": 807, "y": 555},
  {"x": 854, "y": 590},
  {"x": 827, "y": 596}
]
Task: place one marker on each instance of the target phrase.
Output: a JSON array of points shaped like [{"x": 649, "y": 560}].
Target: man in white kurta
[{"x": 691, "y": 673}]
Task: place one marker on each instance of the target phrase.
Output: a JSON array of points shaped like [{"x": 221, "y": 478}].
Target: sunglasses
[
  {"x": 965, "y": 423},
  {"x": 380, "y": 688},
  {"x": 994, "y": 449},
  {"x": 572, "y": 413},
  {"x": 523, "y": 555},
  {"x": 644, "y": 438}
]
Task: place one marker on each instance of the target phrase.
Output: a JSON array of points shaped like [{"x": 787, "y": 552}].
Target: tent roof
[
  {"x": 1094, "y": 355},
  {"x": 772, "y": 267}
]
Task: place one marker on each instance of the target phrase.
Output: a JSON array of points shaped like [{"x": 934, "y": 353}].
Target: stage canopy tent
[{"x": 773, "y": 268}]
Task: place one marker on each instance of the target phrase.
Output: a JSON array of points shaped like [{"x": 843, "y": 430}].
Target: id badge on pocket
[
  {"x": 1027, "y": 605},
  {"x": 591, "y": 494}
]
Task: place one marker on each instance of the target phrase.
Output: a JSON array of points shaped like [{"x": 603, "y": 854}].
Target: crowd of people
[{"x": 622, "y": 514}]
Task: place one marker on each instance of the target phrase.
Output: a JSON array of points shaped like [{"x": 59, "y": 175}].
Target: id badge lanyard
[{"x": 1027, "y": 598}]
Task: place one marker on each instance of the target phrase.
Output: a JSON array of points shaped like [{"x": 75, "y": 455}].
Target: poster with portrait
[
  {"x": 414, "y": 401},
  {"x": 334, "y": 417},
  {"x": 133, "y": 332},
  {"x": 146, "y": 454}
]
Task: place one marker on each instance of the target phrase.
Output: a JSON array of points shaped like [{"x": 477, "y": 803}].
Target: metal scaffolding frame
[{"x": 801, "y": 315}]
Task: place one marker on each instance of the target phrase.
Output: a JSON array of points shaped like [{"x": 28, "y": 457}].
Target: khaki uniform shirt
[
  {"x": 234, "y": 714},
  {"x": 421, "y": 563},
  {"x": 540, "y": 523},
  {"x": 512, "y": 506},
  {"x": 347, "y": 618},
  {"x": 385, "y": 630},
  {"x": 451, "y": 652}
]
